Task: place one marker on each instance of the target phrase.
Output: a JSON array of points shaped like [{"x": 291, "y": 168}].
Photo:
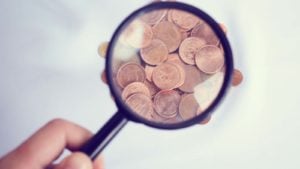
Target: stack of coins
[{"x": 176, "y": 52}]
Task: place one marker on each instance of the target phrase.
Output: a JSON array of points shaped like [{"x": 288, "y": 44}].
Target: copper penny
[
  {"x": 175, "y": 58},
  {"x": 135, "y": 87},
  {"x": 154, "y": 17},
  {"x": 166, "y": 103},
  {"x": 237, "y": 78},
  {"x": 210, "y": 59},
  {"x": 166, "y": 76},
  {"x": 149, "y": 71},
  {"x": 205, "y": 32},
  {"x": 141, "y": 105},
  {"x": 129, "y": 73},
  {"x": 184, "y": 19},
  {"x": 189, "y": 48},
  {"x": 155, "y": 53},
  {"x": 188, "y": 107},
  {"x": 138, "y": 34},
  {"x": 169, "y": 34},
  {"x": 192, "y": 79},
  {"x": 152, "y": 88}
]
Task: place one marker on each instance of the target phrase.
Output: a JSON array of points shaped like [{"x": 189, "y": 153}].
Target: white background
[{"x": 49, "y": 68}]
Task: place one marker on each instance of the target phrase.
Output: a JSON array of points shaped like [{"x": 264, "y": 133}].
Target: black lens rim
[{"x": 228, "y": 62}]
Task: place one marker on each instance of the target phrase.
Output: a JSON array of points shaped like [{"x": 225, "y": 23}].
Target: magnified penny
[
  {"x": 155, "y": 53},
  {"x": 152, "y": 88},
  {"x": 237, "y": 78},
  {"x": 210, "y": 59},
  {"x": 138, "y": 34},
  {"x": 169, "y": 34},
  {"x": 129, "y": 73},
  {"x": 205, "y": 32},
  {"x": 188, "y": 107},
  {"x": 184, "y": 20},
  {"x": 135, "y": 87},
  {"x": 154, "y": 17},
  {"x": 166, "y": 103},
  {"x": 149, "y": 71},
  {"x": 167, "y": 76},
  {"x": 192, "y": 79},
  {"x": 175, "y": 58},
  {"x": 189, "y": 48},
  {"x": 141, "y": 104}
]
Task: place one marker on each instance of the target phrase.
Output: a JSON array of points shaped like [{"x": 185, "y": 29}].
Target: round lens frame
[{"x": 123, "y": 108}]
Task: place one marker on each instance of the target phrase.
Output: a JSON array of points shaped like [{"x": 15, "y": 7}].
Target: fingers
[
  {"x": 224, "y": 28},
  {"x": 76, "y": 161},
  {"x": 48, "y": 143},
  {"x": 237, "y": 78},
  {"x": 102, "y": 49}
]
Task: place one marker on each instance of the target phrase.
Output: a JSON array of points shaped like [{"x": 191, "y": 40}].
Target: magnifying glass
[{"x": 168, "y": 66}]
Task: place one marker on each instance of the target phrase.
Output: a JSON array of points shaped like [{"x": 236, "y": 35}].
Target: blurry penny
[
  {"x": 184, "y": 19},
  {"x": 102, "y": 49},
  {"x": 192, "y": 79},
  {"x": 166, "y": 76},
  {"x": 210, "y": 59},
  {"x": 152, "y": 88},
  {"x": 169, "y": 34},
  {"x": 166, "y": 103},
  {"x": 188, "y": 107},
  {"x": 155, "y": 53},
  {"x": 154, "y": 17},
  {"x": 175, "y": 58},
  {"x": 138, "y": 34},
  {"x": 129, "y": 73},
  {"x": 149, "y": 71},
  {"x": 184, "y": 35},
  {"x": 237, "y": 78},
  {"x": 204, "y": 31},
  {"x": 189, "y": 48},
  {"x": 141, "y": 105},
  {"x": 135, "y": 87}
]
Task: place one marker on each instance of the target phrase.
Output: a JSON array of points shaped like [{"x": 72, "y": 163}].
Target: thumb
[{"x": 76, "y": 161}]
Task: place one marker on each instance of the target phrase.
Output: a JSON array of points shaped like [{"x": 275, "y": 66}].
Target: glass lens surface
[{"x": 167, "y": 65}]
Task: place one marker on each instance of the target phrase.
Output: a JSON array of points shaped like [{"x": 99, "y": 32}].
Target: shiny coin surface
[
  {"x": 129, "y": 73},
  {"x": 184, "y": 20},
  {"x": 205, "y": 32},
  {"x": 155, "y": 53},
  {"x": 135, "y": 87},
  {"x": 166, "y": 103},
  {"x": 188, "y": 107},
  {"x": 167, "y": 76},
  {"x": 189, "y": 48},
  {"x": 210, "y": 59},
  {"x": 138, "y": 34},
  {"x": 141, "y": 104},
  {"x": 169, "y": 34},
  {"x": 192, "y": 79}
]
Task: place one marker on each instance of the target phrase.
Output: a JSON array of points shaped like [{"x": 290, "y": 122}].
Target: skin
[{"x": 47, "y": 144}]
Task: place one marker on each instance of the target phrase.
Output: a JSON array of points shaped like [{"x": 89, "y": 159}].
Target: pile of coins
[{"x": 174, "y": 53}]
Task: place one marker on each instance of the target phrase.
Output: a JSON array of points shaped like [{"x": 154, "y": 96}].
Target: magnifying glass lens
[{"x": 167, "y": 65}]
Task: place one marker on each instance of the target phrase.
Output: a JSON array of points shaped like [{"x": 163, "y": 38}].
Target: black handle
[{"x": 100, "y": 140}]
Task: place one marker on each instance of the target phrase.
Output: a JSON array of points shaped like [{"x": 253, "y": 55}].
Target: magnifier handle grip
[{"x": 101, "y": 139}]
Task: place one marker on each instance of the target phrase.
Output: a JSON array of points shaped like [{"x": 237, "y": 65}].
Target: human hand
[{"x": 47, "y": 144}]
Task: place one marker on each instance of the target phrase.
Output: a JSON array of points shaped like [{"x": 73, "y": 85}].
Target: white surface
[{"x": 49, "y": 68}]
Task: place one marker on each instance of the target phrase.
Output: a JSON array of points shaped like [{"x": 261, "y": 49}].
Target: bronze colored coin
[
  {"x": 205, "y": 32},
  {"x": 135, "y": 87},
  {"x": 184, "y": 19},
  {"x": 166, "y": 103},
  {"x": 169, "y": 34},
  {"x": 166, "y": 76},
  {"x": 192, "y": 79},
  {"x": 141, "y": 105},
  {"x": 154, "y": 17},
  {"x": 237, "y": 78},
  {"x": 189, "y": 48},
  {"x": 188, "y": 107},
  {"x": 175, "y": 58},
  {"x": 129, "y": 73},
  {"x": 149, "y": 71},
  {"x": 138, "y": 34},
  {"x": 155, "y": 53},
  {"x": 210, "y": 59},
  {"x": 152, "y": 88}
]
